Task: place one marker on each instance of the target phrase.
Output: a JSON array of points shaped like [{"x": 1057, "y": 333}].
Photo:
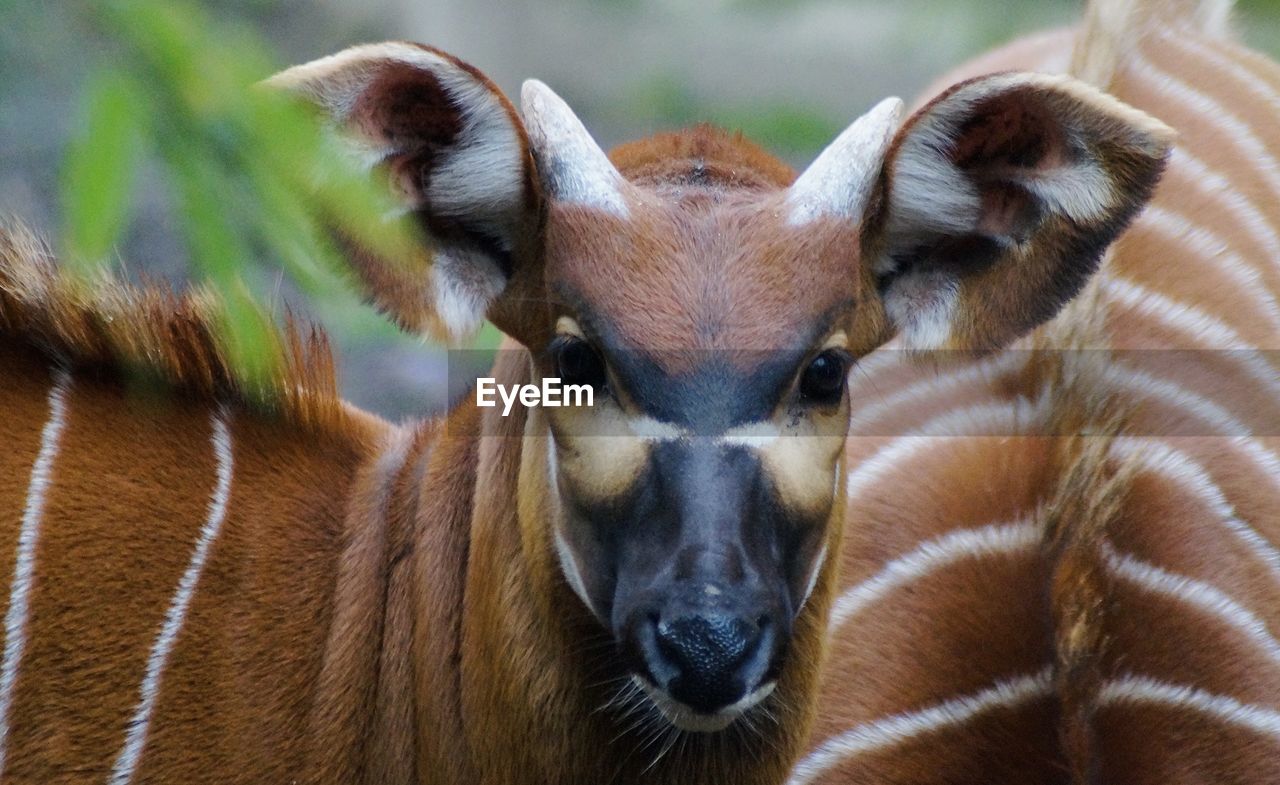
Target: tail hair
[{"x": 1114, "y": 28}]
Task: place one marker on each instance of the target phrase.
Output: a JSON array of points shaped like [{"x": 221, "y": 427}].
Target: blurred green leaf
[
  {"x": 488, "y": 339},
  {"x": 250, "y": 337},
  {"x": 100, "y": 167},
  {"x": 218, "y": 252},
  {"x": 784, "y": 128},
  {"x": 258, "y": 184},
  {"x": 789, "y": 129}
]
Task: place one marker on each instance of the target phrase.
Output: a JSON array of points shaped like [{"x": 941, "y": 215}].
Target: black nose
[{"x": 708, "y": 656}]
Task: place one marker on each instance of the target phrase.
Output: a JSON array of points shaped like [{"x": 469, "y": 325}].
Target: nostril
[
  {"x": 706, "y": 642},
  {"x": 644, "y": 646},
  {"x": 767, "y": 658},
  {"x": 707, "y": 653}
]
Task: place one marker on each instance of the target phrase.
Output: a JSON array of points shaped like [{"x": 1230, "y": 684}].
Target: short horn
[
  {"x": 839, "y": 182},
  {"x": 572, "y": 166}
]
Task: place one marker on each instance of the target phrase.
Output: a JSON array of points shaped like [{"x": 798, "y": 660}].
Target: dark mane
[{"x": 154, "y": 331}]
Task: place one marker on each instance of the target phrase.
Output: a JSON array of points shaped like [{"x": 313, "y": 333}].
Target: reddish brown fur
[
  {"x": 1092, "y": 626},
  {"x": 702, "y": 155},
  {"x": 291, "y": 664},
  {"x": 383, "y": 605},
  {"x": 673, "y": 278},
  {"x": 676, "y": 277},
  {"x": 158, "y": 334}
]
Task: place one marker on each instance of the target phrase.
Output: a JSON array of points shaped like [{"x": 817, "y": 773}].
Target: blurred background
[{"x": 123, "y": 143}]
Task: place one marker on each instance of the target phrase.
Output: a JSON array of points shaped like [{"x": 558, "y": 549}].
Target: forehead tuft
[
  {"x": 700, "y": 271},
  {"x": 703, "y": 155}
]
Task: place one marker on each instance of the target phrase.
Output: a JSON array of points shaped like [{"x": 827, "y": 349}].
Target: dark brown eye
[
  {"x": 823, "y": 381},
  {"x": 578, "y": 362}
]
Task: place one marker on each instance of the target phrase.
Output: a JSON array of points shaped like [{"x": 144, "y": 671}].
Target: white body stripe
[
  {"x": 1201, "y": 278},
  {"x": 902, "y": 727},
  {"x": 1253, "y": 220},
  {"x": 1235, "y": 131},
  {"x": 892, "y": 355},
  {"x": 1263, "y": 457},
  {"x": 1261, "y": 89},
  {"x": 1145, "y": 385},
  {"x": 871, "y": 409},
  {"x": 997, "y": 418},
  {"x": 15, "y": 619},
  {"x": 1160, "y": 458},
  {"x": 1206, "y": 330},
  {"x": 1232, "y": 430},
  {"x": 1207, "y": 598},
  {"x": 996, "y": 539},
  {"x": 136, "y": 736},
  {"x": 1208, "y": 246},
  {"x": 1143, "y": 689}
]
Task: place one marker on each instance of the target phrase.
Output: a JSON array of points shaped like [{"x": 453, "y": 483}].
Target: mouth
[{"x": 687, "y": 719}]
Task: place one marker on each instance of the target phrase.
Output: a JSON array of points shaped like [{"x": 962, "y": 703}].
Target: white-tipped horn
[
  {"x": 572, "y": 166},
  {"x": 839, "y": 181}
]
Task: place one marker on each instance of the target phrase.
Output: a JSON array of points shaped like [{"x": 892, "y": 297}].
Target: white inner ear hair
[
  {"x": 465, "y": 283},
  {"x": 1080, "y": 189},
  {"x": 930, "y": 197},
  {"x": 478, "y": 180},
  {"x": 922, "y": 305}
]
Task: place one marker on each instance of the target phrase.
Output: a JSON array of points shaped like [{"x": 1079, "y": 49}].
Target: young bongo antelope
[
  {"x": 640, "y": 591},
  {"x": 1020, "y": 605}
]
